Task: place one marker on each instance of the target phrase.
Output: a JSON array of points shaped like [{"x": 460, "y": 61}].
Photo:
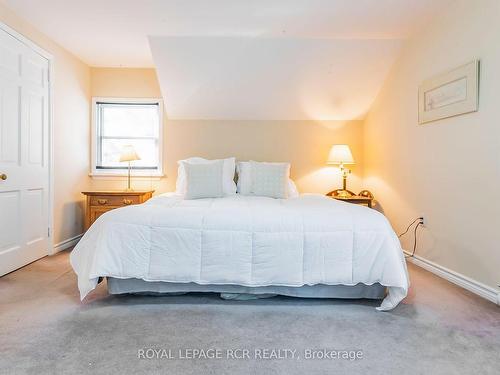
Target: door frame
[{"x": 42, "y": 52}]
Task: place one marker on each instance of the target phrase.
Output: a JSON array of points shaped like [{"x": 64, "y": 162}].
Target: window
[{"x": 121, "y": 122}]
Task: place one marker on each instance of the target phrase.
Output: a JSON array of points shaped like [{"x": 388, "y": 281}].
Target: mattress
[
  {"x": 244, "y": 240},
  {"x": 124, "y": 286}
]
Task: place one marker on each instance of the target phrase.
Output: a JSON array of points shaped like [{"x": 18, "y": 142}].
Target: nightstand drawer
[
  {"x": 95, "y": 212},
  {"x": 100, "y": 202},
  {"x": 111, "y": 200}
]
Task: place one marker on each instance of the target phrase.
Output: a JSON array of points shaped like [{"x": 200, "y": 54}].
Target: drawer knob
[
  {"x": 3, "y": 176},
  {"x": 102, "y": 201},
  {"x": 127, "y": 201}
]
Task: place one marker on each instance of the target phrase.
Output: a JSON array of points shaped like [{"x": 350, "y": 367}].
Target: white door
[{"x": 24, "y": 154}]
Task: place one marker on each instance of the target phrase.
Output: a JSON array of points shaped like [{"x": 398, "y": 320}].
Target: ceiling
[
  {"x": 242, "y": 59},
  {"x": 270, "y": 78},
  {"x": 114, "y": 32}
]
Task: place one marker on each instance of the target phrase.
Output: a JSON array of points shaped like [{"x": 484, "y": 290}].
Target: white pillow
[
  {"x": 204, "y": 180},
  {"x": 244, "y": 171},
  {"x": 228, "y": 185},
  {"x": 270, "y": 179}
]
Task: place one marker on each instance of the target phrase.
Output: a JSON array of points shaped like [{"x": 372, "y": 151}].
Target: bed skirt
[{"x": 122, "y": 286}]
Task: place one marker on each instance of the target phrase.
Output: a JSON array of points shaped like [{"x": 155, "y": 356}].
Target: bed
[{"x": 308, "y": 246}]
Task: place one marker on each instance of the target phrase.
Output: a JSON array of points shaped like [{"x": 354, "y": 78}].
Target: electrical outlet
[{"x": 423, "y": 220}]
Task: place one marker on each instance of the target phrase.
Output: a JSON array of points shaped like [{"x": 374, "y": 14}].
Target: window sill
[{"x": 124, "y": 176}]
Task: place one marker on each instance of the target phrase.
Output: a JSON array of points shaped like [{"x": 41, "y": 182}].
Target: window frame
[{"x": 94, "y": 171}]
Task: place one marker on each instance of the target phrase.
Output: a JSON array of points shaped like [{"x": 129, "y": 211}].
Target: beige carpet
[{"x": 439, "y": 329}]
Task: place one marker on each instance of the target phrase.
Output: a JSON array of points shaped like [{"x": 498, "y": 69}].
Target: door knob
[{"x": 3, "y": 176}]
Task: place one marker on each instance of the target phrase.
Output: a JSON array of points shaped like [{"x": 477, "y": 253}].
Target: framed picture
[{"x": 449, "y": 94}]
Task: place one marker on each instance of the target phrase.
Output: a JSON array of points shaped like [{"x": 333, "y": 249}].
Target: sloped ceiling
[
  {"x": 242, "y": 59},
  {"x": 270, "y": 78}
]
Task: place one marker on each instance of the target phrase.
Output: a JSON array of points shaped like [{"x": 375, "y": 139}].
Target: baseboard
[
  {"x": 456, "y": 278},
  {"x": 63, "y": 245}
]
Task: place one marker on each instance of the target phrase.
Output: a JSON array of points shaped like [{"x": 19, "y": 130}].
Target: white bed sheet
[{"x": 244, "y": 240}]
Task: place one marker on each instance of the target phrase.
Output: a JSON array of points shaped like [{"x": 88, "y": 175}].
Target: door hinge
[{"x": 48, "y": 232}]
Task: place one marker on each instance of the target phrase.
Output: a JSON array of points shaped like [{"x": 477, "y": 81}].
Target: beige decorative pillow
[
  {"x": 204, "y": 180},
  {"x": 270, "y": 179},
  {"x": 244, "y": 186},
  {"x": 228, "y": 184}
]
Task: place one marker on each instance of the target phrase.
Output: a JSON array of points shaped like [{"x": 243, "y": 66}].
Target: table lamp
[
  {"x": 128, "y": 154},
  {"x": 341, "y": 155}
]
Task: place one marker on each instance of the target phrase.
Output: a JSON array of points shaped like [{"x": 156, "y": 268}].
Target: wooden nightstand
[
  {"x": 356, "y": 199},
  {"x": 99, "y": 202}
]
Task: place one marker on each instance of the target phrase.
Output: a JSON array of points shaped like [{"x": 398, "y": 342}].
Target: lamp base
[
  {"x": 341, "y": 193},
  {"x": 129, "y": 188}
]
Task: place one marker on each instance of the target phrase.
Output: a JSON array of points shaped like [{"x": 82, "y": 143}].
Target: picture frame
[{"x": 449, "y": 94}]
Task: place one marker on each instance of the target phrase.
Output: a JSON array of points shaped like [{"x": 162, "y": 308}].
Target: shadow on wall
[{"x": 75, "y": 211}]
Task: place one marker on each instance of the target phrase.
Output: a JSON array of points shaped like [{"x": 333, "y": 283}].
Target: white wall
[{"x": 448, "y": 170}]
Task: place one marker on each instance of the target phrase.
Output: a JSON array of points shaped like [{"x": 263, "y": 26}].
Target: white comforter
[{"x": 250, "y": 241}]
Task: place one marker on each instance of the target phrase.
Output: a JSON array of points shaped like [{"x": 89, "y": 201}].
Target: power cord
[
  {"x": 409, "y": 226},
  {"x": 420, "y": 222},
  {"x": 414, "y": 240}
]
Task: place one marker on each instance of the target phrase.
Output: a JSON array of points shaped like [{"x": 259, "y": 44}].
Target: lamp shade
[
  {"x": 340, "y": 154},
  {"x": 128, "y": 154}
]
